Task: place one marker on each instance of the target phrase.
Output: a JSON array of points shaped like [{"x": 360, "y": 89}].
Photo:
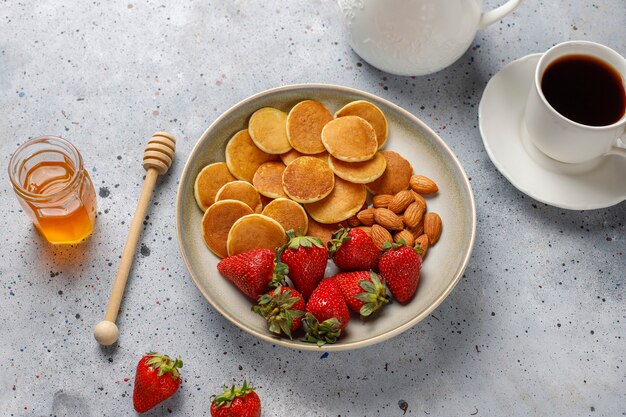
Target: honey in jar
[{"x": 54, "y": 189}]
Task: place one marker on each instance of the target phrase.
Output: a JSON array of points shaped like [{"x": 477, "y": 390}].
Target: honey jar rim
[{"x": 77, "y": 159}]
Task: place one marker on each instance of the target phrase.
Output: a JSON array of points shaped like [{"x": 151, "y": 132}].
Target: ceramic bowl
[{"x": 429, "y": 155}]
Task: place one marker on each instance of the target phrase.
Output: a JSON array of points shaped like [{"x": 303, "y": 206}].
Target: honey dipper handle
[
  {"x": 131, "y": 245},
  {"x": 157, "y": 159}
]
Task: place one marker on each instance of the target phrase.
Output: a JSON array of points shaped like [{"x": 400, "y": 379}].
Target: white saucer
[{"x": 601, "y": 183}]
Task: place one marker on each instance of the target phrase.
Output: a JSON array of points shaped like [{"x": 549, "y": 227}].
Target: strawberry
[
  {"x": 283, "y": 308},
  {"x": 253, "y": 271},
  {"x": 400, "y": 266},
  {"x": 236, "y": 402},
  {"x": 306, "y": 258},
  {"x": 327, "y": 313},
  {"x": 363, "y": 291},
  {"x": 156, "y": 379},
  {"x": 354, "y": 250}
]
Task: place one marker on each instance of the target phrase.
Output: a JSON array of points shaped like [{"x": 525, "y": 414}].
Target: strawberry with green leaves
[
  {"x": 253, "y": 271},
  {"x": 363, "y": 291},
  {"x": 236, "y": 402},
  {"x": 306, "y": 258},
  {"x": 400, "y": 266},
  {"x": 283, "y": 308},
  {"x": 353, "y": 250},
  {"x": 156, "y": 379},
  {"x": 326, "y": 313}
]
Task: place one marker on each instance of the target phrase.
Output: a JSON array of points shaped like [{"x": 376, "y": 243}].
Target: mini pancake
[
  {"x": 304, "y": 126},
  {"x": 322, "y": 231},
  {"x": 241, "y": 191},
  {"x": 369, "y": 112},
  {"x": 289, "y": 214},
  {"x": 288, "y": 157},
  {"x": 268, "y": 130},
  {"x": 209, "y": 181},
  {"x": 243, "y": 157},
  {"x": 217, "y": 221},
  {"x": 396, "y": 176},
  {"x": 343, "y": 202},
  {"x": 268, "y": 179},
  {"x": 308, "y": 179},
  {"x": 350, "y": 139},
  {"x": 359, "y": 172},
  {"x": 255, "y": 231}
]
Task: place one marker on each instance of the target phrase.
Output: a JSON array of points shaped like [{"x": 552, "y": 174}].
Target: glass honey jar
[{"x": 55, "y": 190}]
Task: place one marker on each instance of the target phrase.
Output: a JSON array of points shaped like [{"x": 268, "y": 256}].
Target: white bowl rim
[{"x": 268, "y": 337}]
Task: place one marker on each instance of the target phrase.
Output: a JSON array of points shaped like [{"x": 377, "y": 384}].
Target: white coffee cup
[{"x": 557, "y": 136}]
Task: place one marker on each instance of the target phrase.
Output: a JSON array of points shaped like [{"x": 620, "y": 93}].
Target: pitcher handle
[{"x": 498, "y": 13}]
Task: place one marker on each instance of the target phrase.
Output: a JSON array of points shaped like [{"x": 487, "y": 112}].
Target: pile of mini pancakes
[{"x": 305, "y": 170}]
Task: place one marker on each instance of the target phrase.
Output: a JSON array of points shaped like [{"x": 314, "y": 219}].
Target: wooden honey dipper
[{"x": 157, "y": 158}]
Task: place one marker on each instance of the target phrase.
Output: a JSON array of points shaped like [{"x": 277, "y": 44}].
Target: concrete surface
[{"x": 537, "y": 326}]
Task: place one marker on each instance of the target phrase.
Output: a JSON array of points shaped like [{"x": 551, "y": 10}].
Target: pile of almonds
[{"x": 403, "y": 216}]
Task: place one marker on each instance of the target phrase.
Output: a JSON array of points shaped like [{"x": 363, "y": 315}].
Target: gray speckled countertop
[{"x": 537, "y": 325}]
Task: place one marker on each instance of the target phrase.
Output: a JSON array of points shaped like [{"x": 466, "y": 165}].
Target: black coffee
[{"x": 585, "y": 89}]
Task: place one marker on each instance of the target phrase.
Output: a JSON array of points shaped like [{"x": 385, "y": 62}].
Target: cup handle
[
  {"x": 498, "y": 13},
  {"x": 619, "y": 147}
]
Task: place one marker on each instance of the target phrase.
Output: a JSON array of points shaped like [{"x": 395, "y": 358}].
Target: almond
[
  {"x": 421, "y": 243},
  {"x": 405, "y": 236},
  {"x": 413, "y": 214},
  {"x": 423, "y": 185},
  {"x": 418, "y": 230},
  {"x": 388, "y": 219},
  {"x": 401, "y": 201},
  {"x": 366, "y": 229},
  {"x": 380, "y": 235},
  {"x": 382, "y": 200},
  {"x": 432, "y": 227},
  {"x": 419, "y": 199},
  {"x": 366, "y": 216}
]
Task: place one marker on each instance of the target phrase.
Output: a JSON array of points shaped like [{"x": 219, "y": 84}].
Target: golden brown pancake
[
  {"x": 343, "y": 202},
  {"x": 304, "y": 126},
  {"x": 289, "y": 214},
  {"x": 209, "y": 181},
  {"x": 350, "y": 139},
  {"x": 322, "y": 231},
  {"x": 308, "y": 179},
  {"x": 243, "y": 157},
  {"x": 396, "y": 176},
  {"x": 268, "y": 130},
  {"x": 255, "y": 231},
  {"x": 268, "y": 179},
  {"x": 217, "y": 221},
  {"x": 288, "y": 157},
  {"x": 241, "y": 191},
  {"x": 369, "y": 112},
  {"x": 359, "y": 172}
]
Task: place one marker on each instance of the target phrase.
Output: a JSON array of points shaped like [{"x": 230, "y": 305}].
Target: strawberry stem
[
  {"x": 164, "y": 364},
  {"x": 229, "y": 394},
  {"x": 327, "y": 331}
]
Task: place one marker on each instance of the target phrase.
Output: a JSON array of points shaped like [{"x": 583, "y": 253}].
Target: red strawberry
[
  {"x": 400, "y": 266},
  {"x": 283, "y": 309},
  {"x": 253, "y": 271},
  {"x": 363, "y": 291},
  {"x": 236, "y": 402},
  {"x": 327, "y": 313},
  {"x": 354, "y": 250},
  {"x": 156, "y": 379},
  {"x": 306, "y": 258}
]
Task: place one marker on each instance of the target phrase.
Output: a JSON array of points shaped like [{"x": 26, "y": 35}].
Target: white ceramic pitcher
[{"x": 415, "y": 37}]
